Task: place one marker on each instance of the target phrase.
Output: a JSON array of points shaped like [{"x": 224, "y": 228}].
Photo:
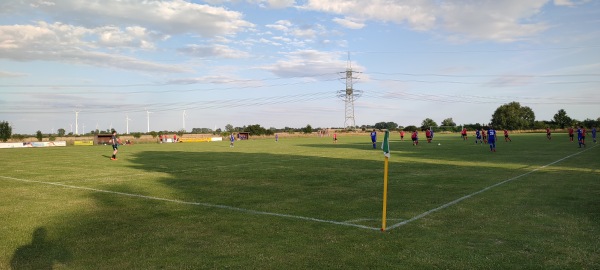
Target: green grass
[{"x": 292, "y": 204}]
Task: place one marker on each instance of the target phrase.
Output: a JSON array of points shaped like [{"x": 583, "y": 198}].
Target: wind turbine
[
  {"x": 76, "y": 122},
  {"x": 148, "y": 118},
  {"x": 184, "y": 116},
  {"x": 127, "y": 121}
]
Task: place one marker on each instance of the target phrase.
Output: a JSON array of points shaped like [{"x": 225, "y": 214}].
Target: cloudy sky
[{"x": 281, "y": 63}]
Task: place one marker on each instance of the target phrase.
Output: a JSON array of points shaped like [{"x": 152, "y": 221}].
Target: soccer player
[
  {"x": 428, "y": 135},
  {"x": 506, "y": 138},
  {"x": 484, "y": 135},
  {"x": 415, "y": 137},
  {"x": 478, "y": 136},
  {"x": 571, "y": 134},
  {"x": 115, "y": 145},
  {"x": 335, "y": 137},
  {"x": 594, "y": 133},
  {"x": 581, "y": 136},
  {"x": 548, "y": 133},
  {"x": 231, "y": 139},
  {"x": 276, "y": 137},
  {"x": 374, "y": 139},
  {"x": 402, "y": 135},
  {"x": 492, "y": 139},
  {"x": 463, "y": 134}
]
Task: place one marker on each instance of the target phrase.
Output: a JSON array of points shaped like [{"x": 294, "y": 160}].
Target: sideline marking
[
  {"x": 256, "y": 212},
  {"x": 426, "y": 213}
]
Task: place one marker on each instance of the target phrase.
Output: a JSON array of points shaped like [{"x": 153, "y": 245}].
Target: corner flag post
[{"x": 386, "y": 152}]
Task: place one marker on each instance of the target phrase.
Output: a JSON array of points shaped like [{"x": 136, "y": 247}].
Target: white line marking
[
  {"x": 480, "y": 191},
  {"x": 196, "y": 203}
]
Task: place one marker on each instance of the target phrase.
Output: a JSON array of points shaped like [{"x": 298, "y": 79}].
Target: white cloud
[
  {"x": 278, "y": 3},
  {"x": 348, "y": 23},
  {"x": 170, "y": 17},
  {"x": 418, "y": 14},
  {"x": 217, "y": 50},
  {"x": 501, "y": 21},
  {"x": 308, "y": 63},
  {"x": 77, "y": 45},
  {"x": 570, "y": 3},
  {"x": 5, "y": 74},
  {"x": 281, "y": 25}
]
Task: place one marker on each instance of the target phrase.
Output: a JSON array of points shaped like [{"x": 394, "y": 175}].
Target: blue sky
[{"x": 280, "y": 63}]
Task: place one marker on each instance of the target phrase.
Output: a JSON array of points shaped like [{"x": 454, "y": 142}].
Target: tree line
[{"x": 511, "y": 116}]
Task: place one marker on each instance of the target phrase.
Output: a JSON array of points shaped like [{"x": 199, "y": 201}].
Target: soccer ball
[{"x": 439, "y": 144}]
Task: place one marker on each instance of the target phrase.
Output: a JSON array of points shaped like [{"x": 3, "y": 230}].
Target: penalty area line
[
  {"x": 208, "y": 205},
  {"x": 426, "y": 213}
]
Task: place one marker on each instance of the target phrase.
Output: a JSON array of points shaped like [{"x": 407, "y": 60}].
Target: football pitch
[{"x": 303, "y": 203}]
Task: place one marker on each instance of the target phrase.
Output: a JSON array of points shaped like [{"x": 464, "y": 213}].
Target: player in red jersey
[
  {"x": 571, "y": 134},
  {"x": 506, "y": 138},
  {"x": 548, "y": 133},
  {"x": 463, "y": 134},
  {"x": 415, "y": 137},
  {"x": 484, "y": 135},
  {"x": 428, "y": 135}
]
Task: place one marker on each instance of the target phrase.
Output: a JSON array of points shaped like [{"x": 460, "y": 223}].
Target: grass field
[{"x": 303, "y": 203}]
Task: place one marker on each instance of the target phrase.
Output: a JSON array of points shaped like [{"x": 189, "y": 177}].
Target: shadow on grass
[
  {"x": 41, "y": 253},
  {"x": 126, "y": 232}
]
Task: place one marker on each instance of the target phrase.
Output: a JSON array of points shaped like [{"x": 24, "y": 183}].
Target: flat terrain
[{"x": 303, "y": 203}]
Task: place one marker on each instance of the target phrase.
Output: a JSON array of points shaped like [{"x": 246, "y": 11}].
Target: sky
[{"x": 135, "y": 65}]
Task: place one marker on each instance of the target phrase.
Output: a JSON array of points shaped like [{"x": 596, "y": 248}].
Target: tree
[
  {"x": 39, "y": 135},
  {"x": 561, "y": 119},
  {"x": 229, "y": 128},
  {"x": 427, "y": 123},
  {"x": 386, "y": 125},
  {"x": 410, "y": 128},
  {"x": 61, "y": 132},
  {"x": 255, "y": 130},
  {"x": 5, "y": 131},
  {"x": 308, "y": 129},
  {"x": 448, "y": 122},
  {"x": 589, "y": 123},
  {"x": 512, "y": 116}
]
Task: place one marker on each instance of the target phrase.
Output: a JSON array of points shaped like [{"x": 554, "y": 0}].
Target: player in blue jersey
[
  {"x": 492, "y": 139},
  {"x": 594, "y": 134},
  {"x": 478, "y": 136},
  {"x": 115, "y": 145},
  {"x": 231, "y": 139},
  {"x": 374, "y": 139},
  {"x": 581, "y": 136}
]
